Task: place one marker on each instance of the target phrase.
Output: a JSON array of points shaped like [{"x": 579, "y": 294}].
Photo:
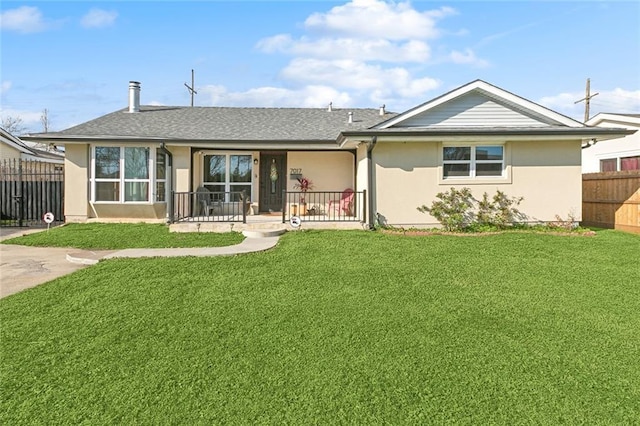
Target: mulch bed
[{"x": 428, "y": 232}]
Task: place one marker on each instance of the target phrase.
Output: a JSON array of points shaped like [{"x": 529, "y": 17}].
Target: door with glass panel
[
  {"x": 273, "y": 180},
  {"x": 227, "y": 175}
]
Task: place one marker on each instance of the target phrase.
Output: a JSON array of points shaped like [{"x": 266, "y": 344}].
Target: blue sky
[{"x": 76, "y": 58}]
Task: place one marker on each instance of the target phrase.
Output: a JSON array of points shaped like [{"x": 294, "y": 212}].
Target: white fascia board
[
  {"x": 488, "y": 88},
  {"x": 618, "y": 118},
  {"x": 482, "y": 138}
]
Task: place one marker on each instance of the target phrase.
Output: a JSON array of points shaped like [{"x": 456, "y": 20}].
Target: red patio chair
[{"x": 344, "y": 204}]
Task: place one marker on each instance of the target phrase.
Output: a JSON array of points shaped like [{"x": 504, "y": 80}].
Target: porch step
[{"x": 255, "y": 231}]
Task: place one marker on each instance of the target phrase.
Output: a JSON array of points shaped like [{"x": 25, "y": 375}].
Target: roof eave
[
  {"x": 584, "y": 133},
  {"x": 318, "y": 144}
]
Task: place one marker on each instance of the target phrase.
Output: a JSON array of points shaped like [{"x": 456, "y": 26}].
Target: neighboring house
[
  {"x": 127, "y": 163},
  {"x": 617, "y": 154},
  {"x": 12, "y": 148}
]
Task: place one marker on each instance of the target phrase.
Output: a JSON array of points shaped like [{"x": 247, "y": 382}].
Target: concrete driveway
[{"x": 23, "y": 267}]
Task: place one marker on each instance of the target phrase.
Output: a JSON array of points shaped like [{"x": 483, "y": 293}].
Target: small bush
[
  {"x": 500, "y": 212},
  {"x": 454, "y": 210}
]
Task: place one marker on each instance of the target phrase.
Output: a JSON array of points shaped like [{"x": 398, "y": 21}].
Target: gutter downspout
[
  {"x": 169, "y": 172},
  {"x": 370, "y": 187}
]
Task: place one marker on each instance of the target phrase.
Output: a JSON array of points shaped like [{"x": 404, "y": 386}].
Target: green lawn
[
  {"x": 336, "y": 328},
  {"x": 115, "y": 236}
]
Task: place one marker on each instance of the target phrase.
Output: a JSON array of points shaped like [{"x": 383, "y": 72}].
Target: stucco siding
[
  {"x": 329, "y": 171},
  {"x": 405, "y": 177},
  {"x": 181, "y": 168},
  {"x": 473, "y": 110},
  {"x": 76, "y": 183},
  {"x": 547, "y": 174}
]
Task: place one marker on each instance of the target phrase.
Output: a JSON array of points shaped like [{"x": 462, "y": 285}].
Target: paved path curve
[
  {"x": 248, "y": 245},
  {"x": 23, "y": 267}
]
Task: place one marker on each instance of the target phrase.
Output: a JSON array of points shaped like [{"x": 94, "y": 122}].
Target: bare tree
[
  {"x": 44, "y": 119},
  {"x": 13, "y": 125}
]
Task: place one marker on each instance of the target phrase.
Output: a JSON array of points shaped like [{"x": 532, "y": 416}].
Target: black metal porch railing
[
  {"x": 208, "y": 206},
  {"x": 325, "y": 206}
]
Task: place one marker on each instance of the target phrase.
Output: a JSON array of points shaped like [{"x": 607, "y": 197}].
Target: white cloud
[
  {"x": 374, "y": 18},
  {"x": 25, "y": 20},
  {"x": 360, "y": 48},
  {"x": 98, "y": 18},
  {"x": 374, "y": 49},
  {"x": 467, "y": 57},
  {"x": 343, "y": 82},
  {"x": 616, "y": 101},
  {"x": 312, "y": 96},
  {"x": 357, "y": 76},
  {"x": 5, "y": 87}
]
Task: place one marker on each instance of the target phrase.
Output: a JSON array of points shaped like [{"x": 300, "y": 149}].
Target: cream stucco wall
[
  {"x": 76, "y": 183},
  {"x": 329, "y": 171},
  {"x": 181, "y": 168},
  {"x": 546, "y": 173}
]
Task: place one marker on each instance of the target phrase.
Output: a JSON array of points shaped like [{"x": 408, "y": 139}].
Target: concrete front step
[
  {"x": 263, "y": 233},
  {"x": 251, "y": 230},
  {"x": 257, "y": 230}
]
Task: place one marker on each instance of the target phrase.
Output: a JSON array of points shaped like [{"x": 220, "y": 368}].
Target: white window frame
[
  {"x": 473, "y": 161},
  {"x": 227, "y": 183},
  {"x": 151, "y": 180}
]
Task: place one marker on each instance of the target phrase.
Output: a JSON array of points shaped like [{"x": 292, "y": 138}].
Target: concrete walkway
[
  {"x": 23, "y": 267},
  {"x": 248, "y": 245}
]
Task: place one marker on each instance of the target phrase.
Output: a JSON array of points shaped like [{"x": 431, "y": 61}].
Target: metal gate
[{"x": 28, "y": 190}]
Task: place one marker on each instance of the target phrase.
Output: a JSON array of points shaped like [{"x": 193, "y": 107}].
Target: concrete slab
[{"x": 23, "y": 267}]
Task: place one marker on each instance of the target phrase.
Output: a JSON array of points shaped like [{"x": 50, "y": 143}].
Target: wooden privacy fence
[
  {"x": 612, "y": 200},
  {"x": 28, "y": 190}
]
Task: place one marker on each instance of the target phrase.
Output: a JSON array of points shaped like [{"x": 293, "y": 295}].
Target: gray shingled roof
[{"x": 227, "y": 124}]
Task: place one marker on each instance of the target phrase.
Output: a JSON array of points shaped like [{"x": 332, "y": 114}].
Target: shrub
[
  {"x": 454, "y": 210},
  {"x": 500, "y": 212}
]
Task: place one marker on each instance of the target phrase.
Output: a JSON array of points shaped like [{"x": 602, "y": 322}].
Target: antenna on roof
[{"x": 191, "y": 88}]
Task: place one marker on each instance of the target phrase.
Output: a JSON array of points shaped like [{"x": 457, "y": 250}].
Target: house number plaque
[{"x": 295, "y": 173}]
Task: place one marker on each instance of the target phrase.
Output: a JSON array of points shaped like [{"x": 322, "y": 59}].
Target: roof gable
[
  {"x": 615, "y": 120},
  {"x": 479, "y": 104},
  {"x": 14, "y": 142}
]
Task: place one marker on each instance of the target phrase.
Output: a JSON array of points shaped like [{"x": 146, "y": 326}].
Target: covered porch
[{"x": 208, "y": 211}]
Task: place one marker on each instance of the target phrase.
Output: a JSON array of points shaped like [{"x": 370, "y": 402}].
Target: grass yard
[
  {"x": 336, "y": 328},
  {"x": 116, "y": 236}
]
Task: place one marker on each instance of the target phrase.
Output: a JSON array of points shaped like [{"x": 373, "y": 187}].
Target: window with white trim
[
  {"x": 226, "y": 175},
  {"x": 472, "y": 161},
  {"x": 125, "y": 174}
]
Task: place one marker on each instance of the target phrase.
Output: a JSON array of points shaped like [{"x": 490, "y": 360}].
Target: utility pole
[
  {"x": 191, "y": 88},
  {"x": 587, "y": 99},
  {"x": 44, "y": 119}
]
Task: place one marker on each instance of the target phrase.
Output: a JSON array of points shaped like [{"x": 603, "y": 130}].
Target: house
[
  {"x": 617, "y": 154},
  {"x": 142, "y": 161},
  {"x": 12, "y": 148}
]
